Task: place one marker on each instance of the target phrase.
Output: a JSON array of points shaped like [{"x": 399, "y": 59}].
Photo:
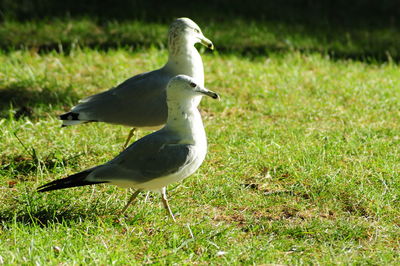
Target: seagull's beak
[
  {"x": 207, "y": 92},
  {"x": 206, "y": 42}
]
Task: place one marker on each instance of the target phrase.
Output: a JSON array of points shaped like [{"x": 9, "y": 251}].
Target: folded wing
[{"x": 138, "y": 102}]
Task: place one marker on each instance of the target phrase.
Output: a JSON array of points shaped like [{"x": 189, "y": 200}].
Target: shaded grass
[
  {"x": 302, "y": 165},
  {"x": 379, "y": 43}
]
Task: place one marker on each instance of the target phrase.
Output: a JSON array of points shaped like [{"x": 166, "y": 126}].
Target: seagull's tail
[
  {"x": 74, "y": 118},
  {"x": 75, "y": 180}
]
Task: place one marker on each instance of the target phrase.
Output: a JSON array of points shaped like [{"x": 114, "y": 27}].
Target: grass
[
  {"x": 302, "y": 166},
  {"x": 233, "y": 35}
]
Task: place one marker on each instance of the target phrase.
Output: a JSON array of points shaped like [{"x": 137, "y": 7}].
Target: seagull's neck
[
  {"x": 184, "y": 119},
  {"x": 185, "y": 59}
]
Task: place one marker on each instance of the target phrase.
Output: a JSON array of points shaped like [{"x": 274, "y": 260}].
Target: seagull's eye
[
  {"x": 197, "y": 30},
  {"x": 193, "y": 85}
]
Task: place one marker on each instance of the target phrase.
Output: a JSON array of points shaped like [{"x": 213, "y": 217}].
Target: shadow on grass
[
  {"x": 45, "y": 217},
  {"x": 248, "y": 50},
  {"x": 261, "y": 50},
  {"x": 24, "y": 100},
  {"x": 22, "y": 165},
  {"x": 43, "y": 210}
]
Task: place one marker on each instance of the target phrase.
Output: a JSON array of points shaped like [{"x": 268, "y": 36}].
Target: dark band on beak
[
  {"x": 207, "y": 43},
  {"x": 208, "y": 93},
  {"x": 214, "y": 95}
]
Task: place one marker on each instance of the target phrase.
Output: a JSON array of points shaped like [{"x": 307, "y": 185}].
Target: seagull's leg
[
  {"x": 147, "y": 196},
  {"x": 134, "y": 195},
  {"x": 130, "y": 135},
  {"x": 165, "y": 202}
]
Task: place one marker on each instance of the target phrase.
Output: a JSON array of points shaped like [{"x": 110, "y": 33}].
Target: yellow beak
[{"x": 206, "y": 42}]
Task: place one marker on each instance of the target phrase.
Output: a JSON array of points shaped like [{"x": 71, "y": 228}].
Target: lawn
[
  {"x": 247, "y": 37},
  {"x": 302, "y": 165}
]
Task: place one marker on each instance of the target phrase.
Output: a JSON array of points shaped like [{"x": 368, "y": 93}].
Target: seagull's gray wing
[
  {"x": 139, "y": 101},
  {"x": 153, "y": 156}
]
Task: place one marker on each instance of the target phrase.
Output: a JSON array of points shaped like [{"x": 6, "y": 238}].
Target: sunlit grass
[{"x": 302, "y": 165}]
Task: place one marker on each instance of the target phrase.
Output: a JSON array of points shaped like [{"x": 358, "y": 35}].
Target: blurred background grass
[{"x": 363, "y": 30}]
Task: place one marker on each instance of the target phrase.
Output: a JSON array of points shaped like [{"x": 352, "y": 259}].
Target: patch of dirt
[
  {"x": 289, "y": 213},
  {"x": 220, "y": 215},
  {"x": 264, "y": 188},
  {"x": 354, "y": 206}
]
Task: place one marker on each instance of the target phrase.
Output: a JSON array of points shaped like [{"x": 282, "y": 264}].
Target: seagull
[
  {"x": 166, "y": 156},
  {"x": 140, "y": 101}
]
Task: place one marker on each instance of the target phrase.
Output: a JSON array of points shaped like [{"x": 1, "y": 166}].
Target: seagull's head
[
  {"x": 186, "y": 30},
  {"x": 183, "y": 87}
]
